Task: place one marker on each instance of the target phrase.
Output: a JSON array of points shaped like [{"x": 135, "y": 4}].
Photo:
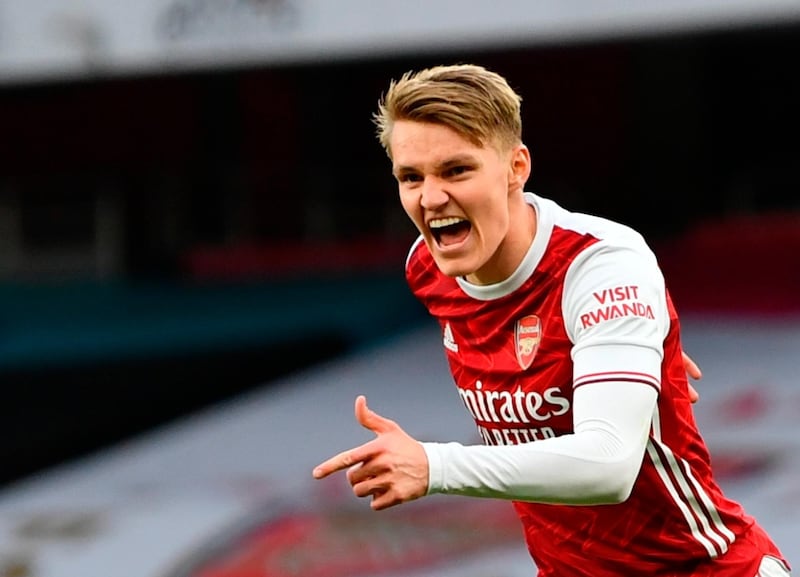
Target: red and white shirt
[{"x": 572, "y": 370}]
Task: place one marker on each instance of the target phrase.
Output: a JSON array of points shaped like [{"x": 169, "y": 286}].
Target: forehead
[{"x": 418, "y": 143}]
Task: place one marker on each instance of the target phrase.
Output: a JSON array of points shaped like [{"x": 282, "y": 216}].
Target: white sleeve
[
  {"x": 598, "y": 463},
  {"x": 615, "y": 313}
]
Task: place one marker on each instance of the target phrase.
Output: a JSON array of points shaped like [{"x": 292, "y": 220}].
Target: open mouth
[{"x": 449, "y": 231}]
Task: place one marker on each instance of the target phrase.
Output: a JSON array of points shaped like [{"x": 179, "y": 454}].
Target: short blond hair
[{"x": 475, "y": 102}]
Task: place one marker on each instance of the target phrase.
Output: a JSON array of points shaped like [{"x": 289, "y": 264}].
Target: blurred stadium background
[{"x": 201, "y": 263}]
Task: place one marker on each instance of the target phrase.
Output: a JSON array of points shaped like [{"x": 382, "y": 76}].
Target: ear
[{"x": 519, "y": 169}]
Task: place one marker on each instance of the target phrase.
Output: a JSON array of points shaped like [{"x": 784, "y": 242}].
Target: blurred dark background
[{"x": 169, "y": 240}]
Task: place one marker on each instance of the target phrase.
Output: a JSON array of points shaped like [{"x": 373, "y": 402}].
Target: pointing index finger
[{"x": 343, "y": 460}]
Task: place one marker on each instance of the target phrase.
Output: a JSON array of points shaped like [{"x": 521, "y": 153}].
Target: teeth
[{"x": 440, "y": 222}]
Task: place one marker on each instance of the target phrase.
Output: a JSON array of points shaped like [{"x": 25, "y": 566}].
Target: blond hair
[{"x": 474, "y": 102}]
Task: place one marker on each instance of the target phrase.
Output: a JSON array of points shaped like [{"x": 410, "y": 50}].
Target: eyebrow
[{"x": 457, "y": 160}]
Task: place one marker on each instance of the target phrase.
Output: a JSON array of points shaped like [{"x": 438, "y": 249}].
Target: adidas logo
[{"x": 448, "y": 341}]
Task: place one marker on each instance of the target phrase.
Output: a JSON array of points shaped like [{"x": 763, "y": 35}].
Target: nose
[{"x": 433, "y": 194}]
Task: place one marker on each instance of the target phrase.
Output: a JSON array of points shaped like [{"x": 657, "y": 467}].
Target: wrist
[{"x": 435, "y": 467}]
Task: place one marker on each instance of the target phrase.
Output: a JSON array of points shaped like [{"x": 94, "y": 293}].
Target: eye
[
  {"x": 458, "y": 170},
  {"x": 408, "y": 177}
]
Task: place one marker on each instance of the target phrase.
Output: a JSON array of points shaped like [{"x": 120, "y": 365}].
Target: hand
[
  {"x": 392, "y": 468},
  {"x": 694, "y": 372}
]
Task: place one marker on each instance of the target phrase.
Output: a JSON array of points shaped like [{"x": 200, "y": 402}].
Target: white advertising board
[{"x": 46, "y": 39}]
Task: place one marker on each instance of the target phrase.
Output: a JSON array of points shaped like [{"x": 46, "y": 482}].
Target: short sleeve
[{"x": 615, "y": 313}]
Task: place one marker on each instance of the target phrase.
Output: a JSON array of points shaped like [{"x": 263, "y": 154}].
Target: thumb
[{"x": 371, "y": 420}]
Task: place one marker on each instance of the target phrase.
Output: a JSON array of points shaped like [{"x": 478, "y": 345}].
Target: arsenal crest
[{"x": 527, "y": 335}]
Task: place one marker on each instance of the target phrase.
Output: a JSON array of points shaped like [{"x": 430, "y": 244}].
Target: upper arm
[{"x": 615, "y": 313}]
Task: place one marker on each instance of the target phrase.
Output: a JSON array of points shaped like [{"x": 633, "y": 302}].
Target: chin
[{"x": 451, "y": 268}]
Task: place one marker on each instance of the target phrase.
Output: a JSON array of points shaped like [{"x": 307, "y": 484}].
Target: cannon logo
[{"x": 527, "y": 336}]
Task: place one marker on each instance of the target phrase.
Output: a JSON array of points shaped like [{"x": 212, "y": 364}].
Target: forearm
[
  {"x": 597, "y": 464},
  {"x": 523, "y": 473}
]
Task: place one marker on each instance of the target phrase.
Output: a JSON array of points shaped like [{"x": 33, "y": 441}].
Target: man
[{"x": 565, "y": 348}]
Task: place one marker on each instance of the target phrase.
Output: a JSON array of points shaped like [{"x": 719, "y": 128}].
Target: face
[{"x": 465, "y": 200}]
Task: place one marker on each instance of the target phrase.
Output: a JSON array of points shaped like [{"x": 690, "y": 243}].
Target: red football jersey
[{"x": 518, "y": 349}]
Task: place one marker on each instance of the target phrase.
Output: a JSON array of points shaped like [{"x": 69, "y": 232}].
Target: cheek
[
  {"x": 493, "y": 217},
  {"x": 493, "y": 203}
]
